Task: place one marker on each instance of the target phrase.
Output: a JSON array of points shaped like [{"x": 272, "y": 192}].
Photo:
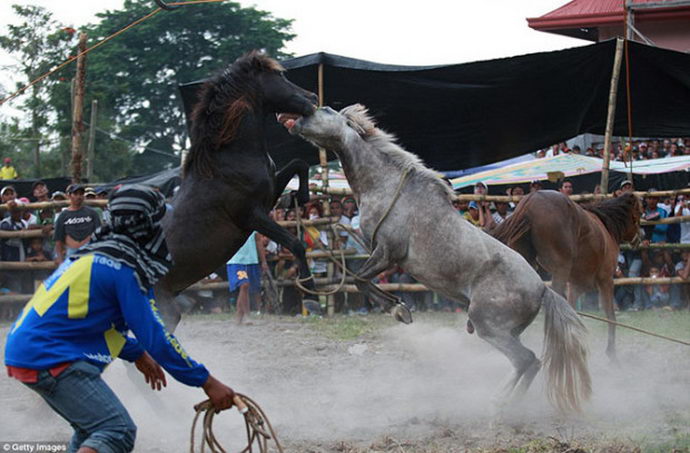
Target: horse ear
[{"x": 358, "y": 118}]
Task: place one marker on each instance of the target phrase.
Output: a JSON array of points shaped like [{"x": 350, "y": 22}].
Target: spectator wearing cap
[
  {"x": 8, "y": 196},
  {"x": 90, "y": 194},
  {"x": 626, "y": 186},
  {"x": 8, "y": 171},
  {"x": 74, "y": 225},
  {"x": 27, "y": 216},
  {"x": 12, "y": 249},
  {"x": 472, "y": 214},
  {"x": 483, "y": 206},
  {"x": 535, "y": 186}
]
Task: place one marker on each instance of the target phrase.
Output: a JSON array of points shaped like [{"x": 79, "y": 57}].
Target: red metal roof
[{"x": 594, "y": 13}]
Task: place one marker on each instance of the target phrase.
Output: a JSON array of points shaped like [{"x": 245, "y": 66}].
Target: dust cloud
[{"x": 403, "y": 381}]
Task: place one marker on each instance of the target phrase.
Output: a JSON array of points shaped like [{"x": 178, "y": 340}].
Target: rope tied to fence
[{"x": 258, "y": 427}]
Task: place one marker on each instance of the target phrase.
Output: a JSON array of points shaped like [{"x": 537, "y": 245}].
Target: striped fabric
[{"x": 133, "y": 235}]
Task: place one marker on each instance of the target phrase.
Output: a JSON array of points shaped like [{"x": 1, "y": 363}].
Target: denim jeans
[{"x": 81, "y": 397}]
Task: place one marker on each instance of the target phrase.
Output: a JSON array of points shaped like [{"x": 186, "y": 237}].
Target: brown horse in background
[{"x": 576, "y": 244}]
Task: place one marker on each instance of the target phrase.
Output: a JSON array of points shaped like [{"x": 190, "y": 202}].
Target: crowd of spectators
[
  {"x": 66, "y": 229},
  {"x": 638, "y": 149},
  {"x": 62, "y": 231}
]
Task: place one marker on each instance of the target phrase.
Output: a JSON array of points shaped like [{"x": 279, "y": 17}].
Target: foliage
[
  {"x": 135, "y": 76},
  {"x": 36, "y": 43},
  {"x": 140, "y": 123}
]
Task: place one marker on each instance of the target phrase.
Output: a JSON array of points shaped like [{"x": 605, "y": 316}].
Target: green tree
[
  {"x": 135, "y": 76},
  {"x": 37, "y": 43}
]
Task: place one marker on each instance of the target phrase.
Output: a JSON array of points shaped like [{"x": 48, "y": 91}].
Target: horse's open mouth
[{"x": 288, "y": 120}]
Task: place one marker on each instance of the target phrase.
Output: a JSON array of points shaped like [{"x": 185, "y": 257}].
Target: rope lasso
[
  {"x": 258, "y": 427},
  {"x": 344, "y": 271}
]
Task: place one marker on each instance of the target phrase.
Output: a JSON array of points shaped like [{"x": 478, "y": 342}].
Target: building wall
[{"x": 674, "y": 35}]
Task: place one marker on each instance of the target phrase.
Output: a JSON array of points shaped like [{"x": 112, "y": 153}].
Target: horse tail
[{"x": 568, "y": 382}]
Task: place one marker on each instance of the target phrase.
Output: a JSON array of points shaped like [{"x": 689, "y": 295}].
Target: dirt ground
[{"x": 367, "y": 384}]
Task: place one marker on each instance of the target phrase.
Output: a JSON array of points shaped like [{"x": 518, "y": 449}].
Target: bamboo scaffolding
[
  {"x": 331, "y": 283},
  {"x": 610, "y": 117},
  {"x": 517, "y": 198},
  {"x": 51, "y": 205}
]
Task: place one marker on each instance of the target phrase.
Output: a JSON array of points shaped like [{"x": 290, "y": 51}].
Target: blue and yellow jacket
[{"x": 83, "y": 312}]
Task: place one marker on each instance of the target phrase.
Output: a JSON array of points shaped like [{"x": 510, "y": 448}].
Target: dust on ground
[{"x": 425, "y": 387}]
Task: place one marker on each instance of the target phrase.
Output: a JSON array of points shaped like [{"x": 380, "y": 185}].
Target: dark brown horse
[
  {"x": 577, "y": 244},
  {"x": 230, "y": 182}
]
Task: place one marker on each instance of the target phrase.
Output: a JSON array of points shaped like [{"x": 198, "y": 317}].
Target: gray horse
[{"x": 407, "y": 217}]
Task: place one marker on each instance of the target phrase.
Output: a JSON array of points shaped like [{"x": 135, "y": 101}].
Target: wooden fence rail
[{"x": 349, "y": 287}]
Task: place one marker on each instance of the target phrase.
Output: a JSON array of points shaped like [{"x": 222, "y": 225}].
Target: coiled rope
[{"x": 258, "y": 427}]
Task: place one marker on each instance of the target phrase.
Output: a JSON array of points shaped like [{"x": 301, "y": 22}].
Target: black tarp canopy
[{"x": 465, "y": 115}]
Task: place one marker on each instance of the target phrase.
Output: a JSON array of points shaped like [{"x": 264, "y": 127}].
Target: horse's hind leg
[
  {"x": 606, "y": 304},
  {"x": 525, "y": 363}
]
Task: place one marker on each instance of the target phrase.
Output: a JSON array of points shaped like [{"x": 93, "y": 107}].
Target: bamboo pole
[
  {"x": 610, "y": 117},
  {"x": 25, "y": 234},
  {"x": 315, "y": 222},
  {"x": 27, "y": 265},
  {"x": 517, "y": 198},
  {"x": 327, "y": 283},
  {"x": 51, "y": 205},
  {"x": 323, "y": 162},
  {"x": 91, "y": 149},
  {"x": 77, "y": 112}
]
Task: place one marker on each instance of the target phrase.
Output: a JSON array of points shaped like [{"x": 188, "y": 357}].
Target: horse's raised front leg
[
  {"x": 379, "y": 261},
  {"x": 260, "y": 222},
  {"x": 284, "y": 175}
]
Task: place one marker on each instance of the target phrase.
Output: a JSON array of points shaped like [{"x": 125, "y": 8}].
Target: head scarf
[{"x": 133, "y": 235}]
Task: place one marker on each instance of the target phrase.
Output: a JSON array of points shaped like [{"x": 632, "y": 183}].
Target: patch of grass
[{"x": 346, "y": 328}]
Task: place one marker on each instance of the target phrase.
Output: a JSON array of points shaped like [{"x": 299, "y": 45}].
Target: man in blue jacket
[{"x": 77, "y": 322}]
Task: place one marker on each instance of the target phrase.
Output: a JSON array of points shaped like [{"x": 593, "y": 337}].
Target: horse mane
[
  {"x": 363, "y": 123},
  {"x": 615, "y": 213},
  {"x": 224, "y": 100}
]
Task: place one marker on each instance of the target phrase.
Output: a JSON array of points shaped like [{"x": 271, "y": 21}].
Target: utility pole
[
  {"x": 78, "y": 110},
  {"x": 91, "y": 150}
]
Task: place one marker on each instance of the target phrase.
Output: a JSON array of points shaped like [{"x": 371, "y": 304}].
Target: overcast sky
[{"x": 422, "y": 32}]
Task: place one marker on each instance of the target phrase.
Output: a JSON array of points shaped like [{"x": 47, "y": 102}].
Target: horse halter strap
[{"x": 398, "y": 191}]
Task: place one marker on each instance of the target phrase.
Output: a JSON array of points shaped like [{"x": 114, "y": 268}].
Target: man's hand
[
  {"x": 153, "y": 373},
  {"x": 220, "y": 394}
]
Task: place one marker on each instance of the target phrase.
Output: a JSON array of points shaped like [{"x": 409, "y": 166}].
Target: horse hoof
[{"x": 402, "y": 314}]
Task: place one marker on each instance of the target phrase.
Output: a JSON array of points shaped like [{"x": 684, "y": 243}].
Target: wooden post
[
  {"x": 323, "y": 161},
  {"x": 77, "y": 110},
  {"x": 91, "y": 150},
  {"x": 611, "y": 116}
]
